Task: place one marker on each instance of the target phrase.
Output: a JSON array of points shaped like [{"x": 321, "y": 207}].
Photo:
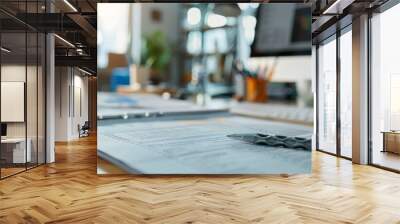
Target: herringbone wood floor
[{"x": 69, "y": 191}]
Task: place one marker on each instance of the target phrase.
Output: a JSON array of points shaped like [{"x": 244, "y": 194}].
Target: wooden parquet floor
[{"x": 69, "y": 191}]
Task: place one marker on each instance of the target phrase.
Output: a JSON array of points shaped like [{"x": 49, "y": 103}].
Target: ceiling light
[
  {"x": 84, "y": 71},
  {"x": 337, "y": 7},
  {"x": 80, "y": 51},
  {"x": 65, "y": 41},
  {"x": 70, "y": 5},
  {"x": 5, "y": 50}
]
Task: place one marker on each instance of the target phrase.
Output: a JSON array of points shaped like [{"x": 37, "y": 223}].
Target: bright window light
[
  {"x": 214, "y": 20},
  {"x": 249, "y": 21},
  {"x": 113, "y": 19},
  {"x": 194, "y": 42},
  {"x": 254, "y": 5},
  {"x": 249, "y": 25},
  {"x": 99, "y": 38},
  {"x": 243, "y": 6},
  {"x": 193, "y": 16}
]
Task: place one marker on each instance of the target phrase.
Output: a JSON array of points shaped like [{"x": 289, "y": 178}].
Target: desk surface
[
  {"x": 391, "y": 132},
  {"x": 114, "y": 105},
  {"x": 13, "y": 140},
  {"x": 198, "y": 144}
]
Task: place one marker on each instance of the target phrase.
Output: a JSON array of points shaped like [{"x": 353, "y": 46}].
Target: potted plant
[{"x": 155, "y": 55}]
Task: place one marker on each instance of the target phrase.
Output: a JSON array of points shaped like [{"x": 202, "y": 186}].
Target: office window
[
  {"x": 327, "y": 96},
  {"x": 385, "y": 89},
  {"x": 346, "y": 93},
  {"x": 216, "y": 41},
  {"x": 194, "y": 42}
]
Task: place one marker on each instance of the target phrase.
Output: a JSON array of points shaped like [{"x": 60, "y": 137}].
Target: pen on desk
[{"x": 274, "y": 140}]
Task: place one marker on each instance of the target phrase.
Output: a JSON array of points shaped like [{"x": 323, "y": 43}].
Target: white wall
[
  {"x": 61, "y": 103},
  {"x": 70, "y": 83},
  {"x": 80, "y": 94},
  {"x": 288, "y": 69},
  {"x": 13, "y": 72},
  {"x": 296, "y": 69}
]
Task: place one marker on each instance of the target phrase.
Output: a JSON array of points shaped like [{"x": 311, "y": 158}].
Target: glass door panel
[
  {"x": 32, "y": 98},
  {"x": 327, "y": 96},
  {"x": 41, "y": 99},
  {"x": 14, "y": 153},
  {"x": 22, "y": 66},
  {"x": 346, "y": 94},
  {"x": 385, "y": 89}
]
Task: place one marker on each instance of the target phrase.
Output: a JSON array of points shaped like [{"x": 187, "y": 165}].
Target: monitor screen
[
  {"x": 282, "y": 29},
  {"x": 3, "y": 129}
]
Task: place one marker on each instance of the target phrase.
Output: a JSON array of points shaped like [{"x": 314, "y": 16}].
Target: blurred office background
[{"x": 205, "y": 53}]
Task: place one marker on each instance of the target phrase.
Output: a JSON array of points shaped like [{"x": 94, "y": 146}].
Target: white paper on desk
[{"x": 200, "y": 147}]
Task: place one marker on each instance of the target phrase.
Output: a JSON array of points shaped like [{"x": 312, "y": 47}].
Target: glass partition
[
  {"x": 41, "y": 96},
  {"x": 32, "y": 95},
  {"x": 346, "y": 93},
  {"x": 22, "y": 88},
  {"x": 14, "y": 151},
  {"x": 385, "y": 89},
  {"x": 327, "y": 95}
]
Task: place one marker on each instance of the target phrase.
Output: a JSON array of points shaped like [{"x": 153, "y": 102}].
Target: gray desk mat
[{"x": 198, "y": 144}]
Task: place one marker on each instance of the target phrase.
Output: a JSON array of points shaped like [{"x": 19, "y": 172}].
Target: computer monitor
[
  {"x": 282, "y": 30},
  {"x": 3, "y": 129}
]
